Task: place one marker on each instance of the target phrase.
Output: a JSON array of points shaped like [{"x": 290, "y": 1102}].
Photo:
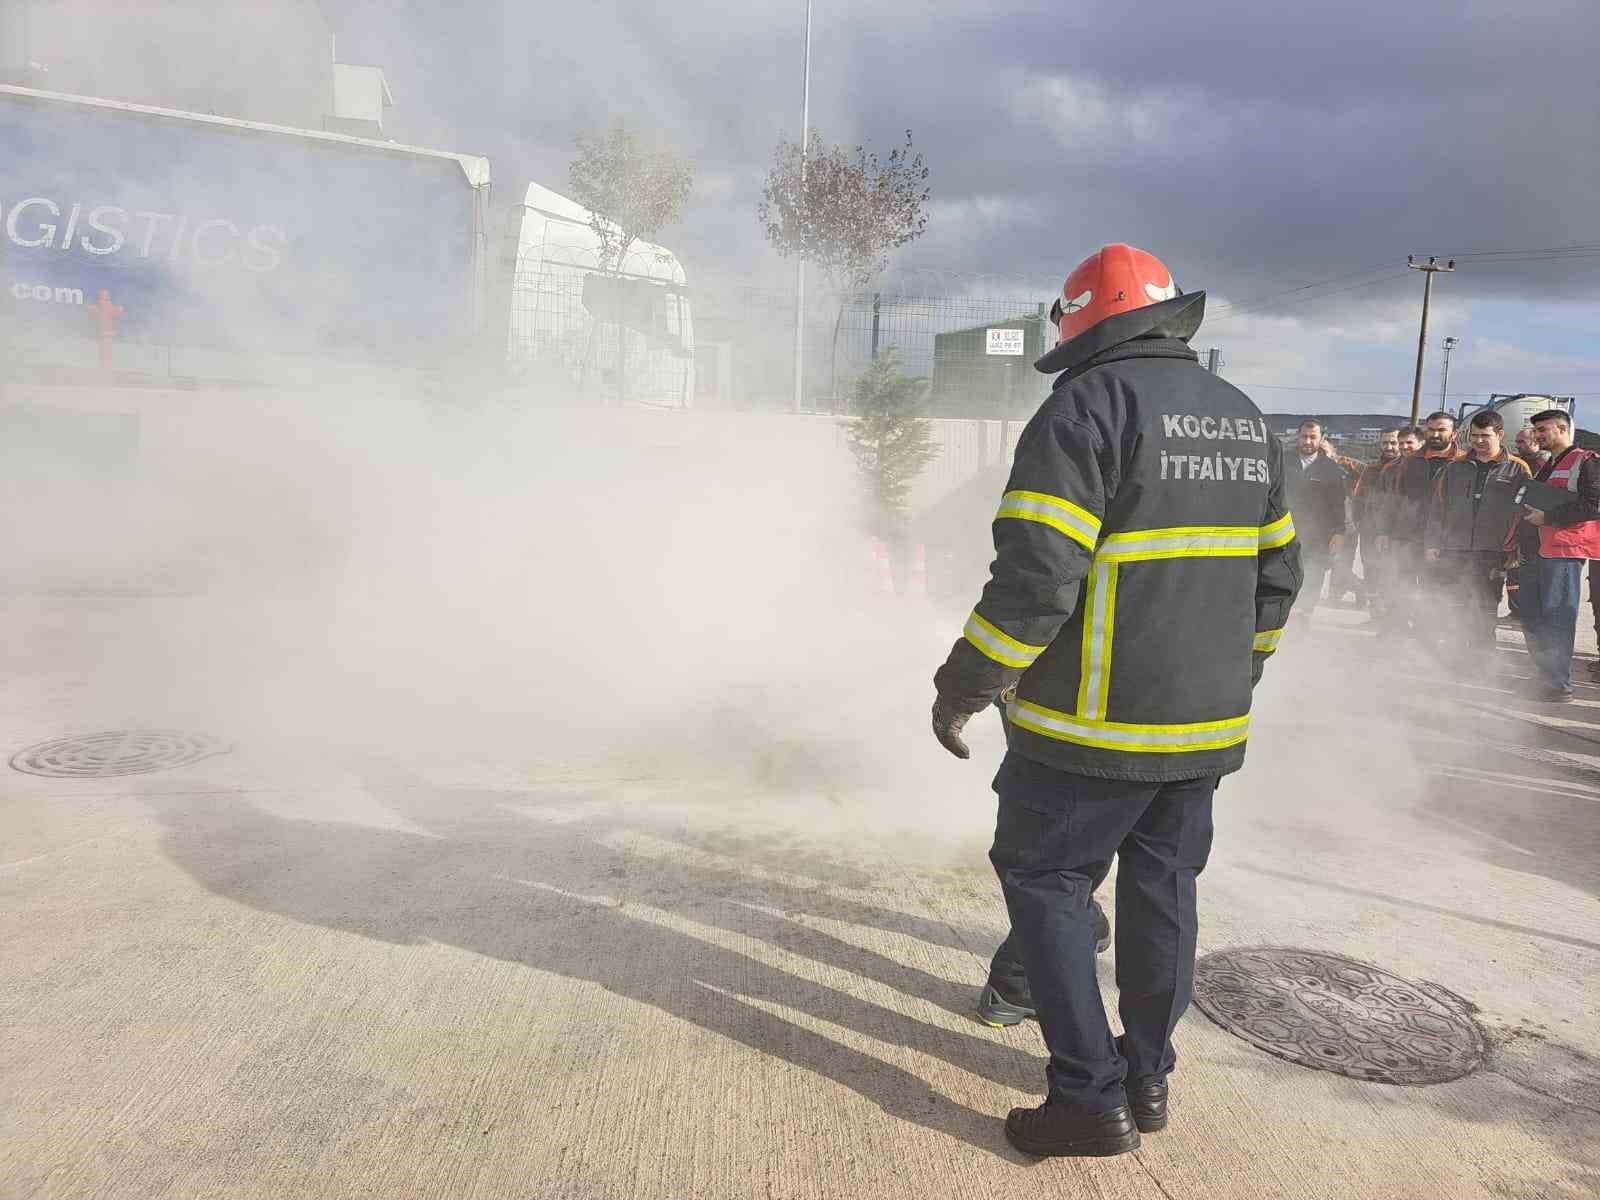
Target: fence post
[
  {"x": 877, "y": 298},
  {"x": 1005, "y": 416}
]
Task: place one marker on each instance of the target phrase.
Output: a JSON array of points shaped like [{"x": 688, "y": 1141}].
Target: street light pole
[
  {"x": 1429, "y": 269},
  {"x": 800, "y": 263},
  {"x": 1450, "y": 344}
]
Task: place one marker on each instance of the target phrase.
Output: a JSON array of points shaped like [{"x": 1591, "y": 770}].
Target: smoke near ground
[{"x": 445, "y": 575}]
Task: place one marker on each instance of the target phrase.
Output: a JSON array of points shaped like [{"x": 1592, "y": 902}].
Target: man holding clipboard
[{"x": 1559, "y": 531}]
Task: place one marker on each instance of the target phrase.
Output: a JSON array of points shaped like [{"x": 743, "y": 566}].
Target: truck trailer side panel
[{"x": 234, "y": 236}]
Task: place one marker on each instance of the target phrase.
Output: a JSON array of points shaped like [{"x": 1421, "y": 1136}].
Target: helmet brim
[{"x": 1178, "y": 318}]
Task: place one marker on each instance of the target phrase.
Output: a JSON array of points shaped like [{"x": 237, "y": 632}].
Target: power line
[
  {"x": 1577, "y": 251},
  {"x": 1571, "y": 246},
  {"x": 1243, "y": 310},
  {"x": 1233, "y": 304},
  {"x": 1300, "y": 387}
]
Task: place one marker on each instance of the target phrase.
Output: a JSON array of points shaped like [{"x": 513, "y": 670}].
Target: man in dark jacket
[
  {"x": 1145, "y": 565},
  {"x": 1411, "y": 484},
  {"x": 1468, "y": 525},
  {"x": 1316, "y": 488},
  {"x": 1366, "y": 505}
]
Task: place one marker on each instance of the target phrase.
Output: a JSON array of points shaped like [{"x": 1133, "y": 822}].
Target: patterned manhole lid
[
  {"x": 124, "y": 752},
  {"x": 1338, "y": 1014}
]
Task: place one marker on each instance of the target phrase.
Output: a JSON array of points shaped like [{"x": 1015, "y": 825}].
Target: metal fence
[
  {"x": 602, "y": 336},
  {"x": 577, "y": 333}
]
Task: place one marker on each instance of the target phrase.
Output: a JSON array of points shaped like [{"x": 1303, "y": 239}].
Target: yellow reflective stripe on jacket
[
  {"x": 1134, "y": 739},
  {"x": 1079, "y": 524},
  {"x": 1267, "y": 640},
  {"x": 1001, "y": 647},
  {"x": 1278, "y": 533},
  {"x": 1185, "y": 541},
  {"x": 1100, "y": 599}
]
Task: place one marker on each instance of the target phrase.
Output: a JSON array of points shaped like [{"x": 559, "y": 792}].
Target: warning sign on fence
[{"x": 1004, "y": 341}]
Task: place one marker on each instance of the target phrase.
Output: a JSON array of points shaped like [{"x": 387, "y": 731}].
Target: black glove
[
  {"x": 948, "y": 722},
  {"x": 1258, "y": 665}
]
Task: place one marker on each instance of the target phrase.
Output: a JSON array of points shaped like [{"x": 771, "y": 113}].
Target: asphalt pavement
[{"x": 270, "y": 970}]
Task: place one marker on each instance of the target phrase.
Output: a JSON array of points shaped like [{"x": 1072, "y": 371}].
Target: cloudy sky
[{"x": 1257, "y": 147}]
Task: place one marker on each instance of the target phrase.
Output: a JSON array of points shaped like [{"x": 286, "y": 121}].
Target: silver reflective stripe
[
  {"x": 1109, "y": 735},
  {"x": 1279, "y": 533},
  {"x": 999, "y": 646},
  {"x": 1182, "y": 543},
  {"x": 1061, "y": 515},
  {"x": 1097, "y": 640}
]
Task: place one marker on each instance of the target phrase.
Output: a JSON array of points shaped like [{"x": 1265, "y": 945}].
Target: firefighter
[
  {"x": 1145, "y": 565},
  {"x": 1469, "y": 523}
]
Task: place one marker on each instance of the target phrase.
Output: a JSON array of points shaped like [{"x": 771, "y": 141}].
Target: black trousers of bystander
[{"x": 1472, "y": 595}]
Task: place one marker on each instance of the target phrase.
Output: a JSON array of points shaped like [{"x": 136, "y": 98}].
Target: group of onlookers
[{"x": 1442, "y": 531}]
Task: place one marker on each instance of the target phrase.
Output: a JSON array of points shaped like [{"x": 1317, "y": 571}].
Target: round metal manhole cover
[
  {"x": 124, "y": 752},
  {"x": 1338, "y": 1014}
]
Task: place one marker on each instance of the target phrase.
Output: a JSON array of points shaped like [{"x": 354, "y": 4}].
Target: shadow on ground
[{"x": 565, "y": 898}]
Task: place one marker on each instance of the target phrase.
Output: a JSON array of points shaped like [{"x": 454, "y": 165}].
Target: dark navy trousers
[
  {"x": 1552, "y": 590},
  {"x": 1055, "y": 838}
]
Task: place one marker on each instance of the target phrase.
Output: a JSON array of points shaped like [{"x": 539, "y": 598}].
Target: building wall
[{"x": 258, "y": 60}]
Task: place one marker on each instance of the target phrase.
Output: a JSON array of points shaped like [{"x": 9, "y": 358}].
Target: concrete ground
[{"x": 268, "y": 976}]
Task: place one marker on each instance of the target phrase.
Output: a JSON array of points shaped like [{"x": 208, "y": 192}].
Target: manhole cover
[
  {"x": 125, "y": 752},
  {"x": 1337, "y": 1014}
]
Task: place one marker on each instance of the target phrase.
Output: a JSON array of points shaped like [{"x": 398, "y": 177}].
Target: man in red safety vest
[{"x": 1554, "y": 542}]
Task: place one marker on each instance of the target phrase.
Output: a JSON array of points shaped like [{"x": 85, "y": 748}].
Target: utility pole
[
  {"x": 1450, "y": 344},
  {"x": 800, "y": 263},
  {"x": 1213, "y": 360},
  {"x": 1429, "y": 269}
]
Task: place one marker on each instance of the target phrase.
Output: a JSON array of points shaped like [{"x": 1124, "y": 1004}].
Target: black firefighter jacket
[
  {"x": 1144, "y": 559},
  {"x": 1471, "y": 507}
]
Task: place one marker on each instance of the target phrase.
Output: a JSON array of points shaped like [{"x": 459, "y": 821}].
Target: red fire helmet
[{"x": 1114, "y": 279}]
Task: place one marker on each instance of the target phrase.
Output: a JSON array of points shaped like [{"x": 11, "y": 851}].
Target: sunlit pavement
[{"x": 263, "y": 974}]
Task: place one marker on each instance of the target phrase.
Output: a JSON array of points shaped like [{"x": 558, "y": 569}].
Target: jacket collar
[{"x": 1145, "y": 347}]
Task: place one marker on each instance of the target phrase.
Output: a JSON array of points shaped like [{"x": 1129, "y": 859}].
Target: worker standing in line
[
  {"x": 1366, "y": 506},
  {"x": 1314, "y": 486},
  {"x": 1467, "y": 527},
  {"x": 1343, "y": 579},
  {"x": 1530, "y": 452},
  {"x": 1411, "y": 485},
  {"x": 1554, "y": 545},
  {"x": 1145, "y": 566}
]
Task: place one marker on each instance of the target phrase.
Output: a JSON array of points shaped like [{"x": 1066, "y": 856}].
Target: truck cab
[{"x": 582, "y": 326}]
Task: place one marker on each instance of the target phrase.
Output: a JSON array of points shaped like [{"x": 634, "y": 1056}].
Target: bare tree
[
  {"x": 632, "y": 190},
  {"x": 844, "y": 211}
]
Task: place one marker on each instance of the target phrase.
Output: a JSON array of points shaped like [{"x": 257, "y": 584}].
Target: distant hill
[{"x": 1343, "y": 426}]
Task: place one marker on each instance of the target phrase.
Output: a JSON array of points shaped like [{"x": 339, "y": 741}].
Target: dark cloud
[{"x": 1254, "y": 144}]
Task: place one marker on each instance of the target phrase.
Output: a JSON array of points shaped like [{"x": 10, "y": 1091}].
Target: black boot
[
  {"x": 1059, "y": 1130},
  {"x": 1148, "y": 1099},
  {"x": 997, "y": 1009},
  {"x": 1002, "y": 1004}
]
